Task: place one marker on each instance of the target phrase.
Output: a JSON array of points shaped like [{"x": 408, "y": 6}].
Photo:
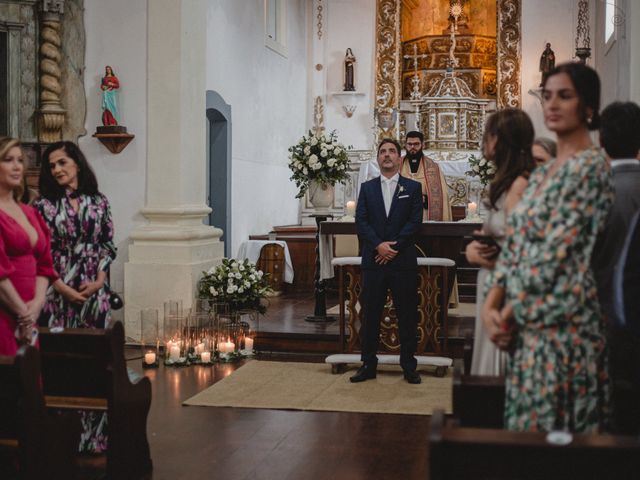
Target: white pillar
[{"x": 169, "y": 253}]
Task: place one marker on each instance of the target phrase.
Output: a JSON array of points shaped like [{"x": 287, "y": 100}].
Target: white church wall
[
  {"x": 613, "y": 58},
  {"x": 116, "y": 36},
  {"x": 544, "y": 21},
  {"x": 268, "y": 97},
  {"x": 350, "y": 24}
]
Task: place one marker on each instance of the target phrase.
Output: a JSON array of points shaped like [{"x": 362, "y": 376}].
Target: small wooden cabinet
[{"x": 271, "y": 261}]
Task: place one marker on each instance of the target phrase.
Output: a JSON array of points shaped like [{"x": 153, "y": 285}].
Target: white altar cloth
[{"x": 251, "y": 250}]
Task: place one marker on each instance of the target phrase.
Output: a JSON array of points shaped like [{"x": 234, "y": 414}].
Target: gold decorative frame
[{"x": 388, "y": 46}]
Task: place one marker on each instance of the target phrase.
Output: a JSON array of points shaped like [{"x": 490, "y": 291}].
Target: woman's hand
[
  {"x": 72, "y": 295},
  {"x": 34, "y": 307},
  {"x": 482, "y": 255},
  {"x": 89, "y": 288}
]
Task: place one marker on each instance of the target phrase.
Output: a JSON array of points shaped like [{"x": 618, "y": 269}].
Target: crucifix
[{"x": 415, "y": 91}]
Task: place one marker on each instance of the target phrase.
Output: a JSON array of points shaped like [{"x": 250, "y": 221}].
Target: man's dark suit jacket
[
  {"x": 626, "y": 281},
  {"x": 402, "y": 224},
  {"x": 626, "y": 182}
]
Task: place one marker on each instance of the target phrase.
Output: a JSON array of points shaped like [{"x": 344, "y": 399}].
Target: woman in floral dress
[
  {"x": 557, "y": 373},
  {"x": 79, "y": 219}
]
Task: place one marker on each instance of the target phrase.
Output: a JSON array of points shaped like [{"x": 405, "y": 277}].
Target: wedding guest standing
[
  {"x": 557, "y": 374},
  {"x": 543, "y": 150},
  {"x": 620, "y": 138},
  {"x": 79, "y": 219},
  {"x": 25, "y": 255},
  {"x": 507, "y": 142}
]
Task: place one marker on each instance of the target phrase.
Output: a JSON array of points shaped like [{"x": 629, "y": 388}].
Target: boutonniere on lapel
[{"x": 400, "y": 190}]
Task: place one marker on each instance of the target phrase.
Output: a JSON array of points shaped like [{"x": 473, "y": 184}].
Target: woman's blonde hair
[{"x": 6, "y": 144}]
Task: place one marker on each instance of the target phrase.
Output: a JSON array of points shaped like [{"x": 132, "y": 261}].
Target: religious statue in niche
[
  {"x": 349, "y": 71},
  {"x": 110, "y": 85},
  {"x": 547, "y": 63},
  {"x": 112, "y": 134}
]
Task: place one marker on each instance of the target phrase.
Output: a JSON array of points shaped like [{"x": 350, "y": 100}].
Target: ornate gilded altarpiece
[{"x": 506, "y": 84}]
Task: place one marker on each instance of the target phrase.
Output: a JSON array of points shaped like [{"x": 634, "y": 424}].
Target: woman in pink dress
[{"x": 26, "y": 267}]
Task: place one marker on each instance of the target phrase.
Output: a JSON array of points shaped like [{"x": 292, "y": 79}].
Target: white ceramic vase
[{"x": 320, "y": 196}]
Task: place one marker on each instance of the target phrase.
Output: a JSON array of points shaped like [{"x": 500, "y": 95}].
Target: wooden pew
[
  {"x": 478, "y": 401},
  {"x": 482, "y": 454},
  {"x": 45, "y": 445},
  {"x": 85, "y": 369}
]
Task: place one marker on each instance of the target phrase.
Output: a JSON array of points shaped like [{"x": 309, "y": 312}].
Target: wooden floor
[
  {"x": 228, "y": 443},
  {"x": 252, "y": 444}
]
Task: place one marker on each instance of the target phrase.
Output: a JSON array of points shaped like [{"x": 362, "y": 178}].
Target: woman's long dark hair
[
  {"x": 49, "y": 187},
  {"x": 512, "y": 157}
]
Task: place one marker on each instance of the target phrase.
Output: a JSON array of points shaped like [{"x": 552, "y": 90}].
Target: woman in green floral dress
[{"x": 542, "y": 300}]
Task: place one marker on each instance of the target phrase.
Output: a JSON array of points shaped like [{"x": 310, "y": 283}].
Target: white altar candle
[
  {"x": 199, "y": 348},
  {"x": 150, "y": 358},
  {"x": 472, "y": 208},
  {"x": 174, "y": 352},
  {"x": 227, "y": 347},
  {"x": 205, "y": 357},
  {"x": 350, "y": 208},
  {"x": 248, "y": 343}
]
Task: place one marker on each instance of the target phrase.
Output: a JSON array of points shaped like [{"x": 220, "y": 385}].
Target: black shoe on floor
[
  {"x": 413, "y": 377},
  {"x": 365, "y": 372}
]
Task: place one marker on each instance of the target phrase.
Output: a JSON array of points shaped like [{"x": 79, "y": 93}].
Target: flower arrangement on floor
[
  {"x": 481, "y": 168},
  {"x": 237, "y": 284},
  {"x": 320, "y": 158}
]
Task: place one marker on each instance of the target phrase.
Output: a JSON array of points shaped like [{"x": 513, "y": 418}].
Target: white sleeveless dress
[{"x": 487, "y": 358}]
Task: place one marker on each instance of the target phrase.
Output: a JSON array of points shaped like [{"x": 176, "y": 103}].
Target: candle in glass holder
[
  {"x": 248, "y": 343},
  {"x": 205, "y": 357},
  {"x": 472, "y": 209},
  {"x": 350, "y": 208},
  {"x": 150, "y": 358},
  {"x": 227, "y": 347},
  {"x": 174, "y": 352}
]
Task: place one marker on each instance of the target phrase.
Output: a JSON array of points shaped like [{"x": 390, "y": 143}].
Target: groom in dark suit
[{"x": 388, "y": 216}]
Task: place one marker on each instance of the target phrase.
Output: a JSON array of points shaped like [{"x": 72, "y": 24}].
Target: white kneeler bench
[{"x": 340, "y": 360}]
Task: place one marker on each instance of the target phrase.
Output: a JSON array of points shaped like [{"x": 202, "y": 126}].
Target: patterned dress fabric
[
  {"x": 557, "y": 375},
  {"x": 21, "y": 263},
  {"x": 82, "y": 245}
]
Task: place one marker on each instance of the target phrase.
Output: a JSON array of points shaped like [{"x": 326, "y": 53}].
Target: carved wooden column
[{"x": 51, "y": 114}]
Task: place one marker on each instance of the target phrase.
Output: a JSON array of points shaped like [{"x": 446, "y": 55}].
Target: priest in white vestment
[{"x": 418, "y": 167}]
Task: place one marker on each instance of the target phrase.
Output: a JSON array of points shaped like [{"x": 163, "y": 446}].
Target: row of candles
[
  {"x": 173, "y": 351},
  {"x": 199, "y": 334},
  {"x": 350, "y": 209}
]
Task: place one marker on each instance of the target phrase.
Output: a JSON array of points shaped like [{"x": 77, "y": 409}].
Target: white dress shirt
[{"x": 388, "y": 189}]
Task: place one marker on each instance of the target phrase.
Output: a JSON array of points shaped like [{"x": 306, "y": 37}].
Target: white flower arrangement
[
  {"x": 482, "y": 168},
  {"x": 318, "y": 157},
  {"x": 240, "y": 285}
]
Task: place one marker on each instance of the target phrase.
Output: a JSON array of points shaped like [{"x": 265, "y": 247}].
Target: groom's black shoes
[
  {"x": 365, "y": 372},
  {"x": 411, "y": 376}
]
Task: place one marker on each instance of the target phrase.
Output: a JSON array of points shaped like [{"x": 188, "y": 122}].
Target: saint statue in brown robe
[{"x": 349, "y": 74}]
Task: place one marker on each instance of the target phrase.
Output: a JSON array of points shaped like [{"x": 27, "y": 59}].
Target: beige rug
[{"x": 312, "y": 386}]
